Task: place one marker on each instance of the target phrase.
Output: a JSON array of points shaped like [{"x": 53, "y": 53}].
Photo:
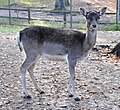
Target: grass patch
[
  {"x": 31, "y": 2},
  {"x": 37, "y": 23},
  {"x": 45, "y": 23},
  {"x": 79, "y": 26},
  {"x": 5, "y": 21},
  {"x": 12, "y": 29},
  {"x": 110, "y": 27},
  {"x": 4, "y": 2}
]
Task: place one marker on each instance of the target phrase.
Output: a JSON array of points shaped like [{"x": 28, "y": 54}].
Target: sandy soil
[{"x": 97, "y": 80}]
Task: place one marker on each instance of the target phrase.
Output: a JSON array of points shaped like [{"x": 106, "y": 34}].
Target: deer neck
[{"x": 90, "y": 39}]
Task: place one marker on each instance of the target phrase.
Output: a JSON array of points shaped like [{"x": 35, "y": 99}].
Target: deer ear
[
  {"x": 82, "y": 11},
  {"x": 102, "y": 11}
]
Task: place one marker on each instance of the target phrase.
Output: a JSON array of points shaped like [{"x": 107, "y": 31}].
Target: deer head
[{"x": 92, "y": 17}]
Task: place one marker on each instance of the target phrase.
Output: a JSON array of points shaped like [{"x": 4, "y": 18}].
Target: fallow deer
[{"x": 58, "y": 44}]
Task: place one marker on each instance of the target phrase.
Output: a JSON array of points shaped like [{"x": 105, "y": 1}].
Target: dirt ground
[{"x": 97, "y": 80}]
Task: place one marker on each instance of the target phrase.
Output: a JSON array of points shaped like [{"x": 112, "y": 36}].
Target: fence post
[
  {"x": 9, "y": 12},
  {"x": 29, "y": 18},
  {"x": 70, "y": 14},
  {"x": 64, "y": 19},
  {"x": 117, "y": 13}
]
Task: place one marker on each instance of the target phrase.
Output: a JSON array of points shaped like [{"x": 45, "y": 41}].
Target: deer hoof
[
  {"x": 77, "y": 99},
  {"x": 42, "y": 92},
  {"x": 70, "y": 95},
  {"x": 27, "y": 97}
]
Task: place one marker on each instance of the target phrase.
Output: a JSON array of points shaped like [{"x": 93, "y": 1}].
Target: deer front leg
[{"x": 71, "y": 82}]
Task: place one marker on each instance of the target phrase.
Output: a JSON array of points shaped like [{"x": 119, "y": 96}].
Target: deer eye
[{"x": 87, "y": 17}]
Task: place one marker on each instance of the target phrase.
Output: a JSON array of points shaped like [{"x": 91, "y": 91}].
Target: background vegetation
[{"x": 27, "y": 2}]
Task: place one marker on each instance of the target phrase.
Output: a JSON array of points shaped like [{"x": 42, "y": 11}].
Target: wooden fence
[{"x": 30, "y": 9}]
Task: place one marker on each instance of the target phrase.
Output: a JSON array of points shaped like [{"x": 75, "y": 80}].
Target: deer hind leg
[
  {"x": 71, "y": 82},
  {"x": 24, "y": 68},
  {"x": 30, "y": 70}
]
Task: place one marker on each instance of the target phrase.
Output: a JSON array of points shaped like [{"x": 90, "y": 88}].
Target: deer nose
[{"x": 94, "y": 26}]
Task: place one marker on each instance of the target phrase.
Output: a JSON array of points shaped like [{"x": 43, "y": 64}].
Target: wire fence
[{"x": 43, "y": 12}]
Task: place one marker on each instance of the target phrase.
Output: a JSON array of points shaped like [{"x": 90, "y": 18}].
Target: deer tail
[{"x": 19, "y": 35}]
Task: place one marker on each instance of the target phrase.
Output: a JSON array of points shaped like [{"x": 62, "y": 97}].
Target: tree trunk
[
  {"x": 61, "y": 4},
  {"x": 67, "y": 3}
]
